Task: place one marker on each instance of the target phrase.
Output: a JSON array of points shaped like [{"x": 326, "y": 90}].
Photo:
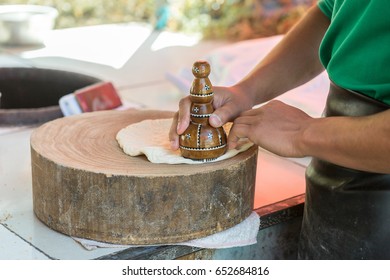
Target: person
[{"x": 347, "y": 206}]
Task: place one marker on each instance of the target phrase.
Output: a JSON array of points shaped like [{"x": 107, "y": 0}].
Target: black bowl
[{"x": 31, "y": 95}]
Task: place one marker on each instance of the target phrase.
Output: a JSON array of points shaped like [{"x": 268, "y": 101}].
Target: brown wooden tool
[
  {"x": 201, "y": 141},
  {"x": 85, "y": 186}
]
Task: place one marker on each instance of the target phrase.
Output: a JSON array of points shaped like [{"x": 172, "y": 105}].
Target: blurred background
[
  {"x": 146, "y": 49},
  {"x": 213, "y": 19}
]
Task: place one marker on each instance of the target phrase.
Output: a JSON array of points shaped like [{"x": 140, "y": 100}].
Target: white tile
[{"x": 14, "y": 248}]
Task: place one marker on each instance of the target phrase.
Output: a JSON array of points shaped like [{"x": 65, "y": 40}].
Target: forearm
[
  {"x": 291, "y": 63},
  {"x": 361, "y": 143}
]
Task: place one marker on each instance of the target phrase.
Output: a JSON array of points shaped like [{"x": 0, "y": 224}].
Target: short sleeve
[{"x": 326, "y": 6}]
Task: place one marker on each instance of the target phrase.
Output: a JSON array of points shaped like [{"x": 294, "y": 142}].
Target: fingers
[
  {"x": 237, "y": 132},
  {"x": 243, "y": 127},
  {"x": 180, "y": 122},
  {"x": 215, "y": 120},
  {"x": 229, "y": 103},
  {"x": 223, "y": 114},
  {"x": 173, "y": 136},
  {"x": 183, "y": 118}
]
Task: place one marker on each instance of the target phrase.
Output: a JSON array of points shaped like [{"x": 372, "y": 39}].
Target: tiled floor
[{"x": 136, "y": 60}]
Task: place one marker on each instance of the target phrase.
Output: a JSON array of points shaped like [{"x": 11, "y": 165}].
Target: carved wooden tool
[{"x": 201, "y": 141}]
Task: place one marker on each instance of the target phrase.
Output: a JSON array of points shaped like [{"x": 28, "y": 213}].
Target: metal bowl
[{"x": 25, "y": 24}]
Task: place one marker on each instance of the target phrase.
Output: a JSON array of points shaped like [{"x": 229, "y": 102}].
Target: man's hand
[{"x": 276, "y": 127}]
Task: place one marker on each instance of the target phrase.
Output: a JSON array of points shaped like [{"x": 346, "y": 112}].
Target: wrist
[
  {"x": 246, "y": 93},
  {"x": 312, "y": 141}
]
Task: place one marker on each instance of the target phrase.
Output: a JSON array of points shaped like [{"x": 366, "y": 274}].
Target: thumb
[
  {"x": 215, "y": 120},
  {"x": 222, "y": 115}
]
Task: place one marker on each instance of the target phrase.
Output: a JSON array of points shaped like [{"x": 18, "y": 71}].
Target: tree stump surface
[{"x": 85, "y": 186}]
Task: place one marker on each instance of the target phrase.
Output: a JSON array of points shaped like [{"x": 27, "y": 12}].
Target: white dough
[{"x": 150, "y": 137}]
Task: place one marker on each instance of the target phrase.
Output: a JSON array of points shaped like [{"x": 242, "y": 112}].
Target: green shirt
[{"x": 356, "y": 48}]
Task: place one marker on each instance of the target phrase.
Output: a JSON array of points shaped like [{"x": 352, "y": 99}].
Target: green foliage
[
  {"x": 228, "y": 19},
  {"x": 90, "y": 12}
]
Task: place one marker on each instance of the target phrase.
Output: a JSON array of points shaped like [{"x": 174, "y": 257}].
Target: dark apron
[{"x": 347, "y": 212}]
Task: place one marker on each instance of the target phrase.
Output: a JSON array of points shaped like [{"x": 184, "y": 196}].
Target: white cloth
[{"x": 243, "y": 234}]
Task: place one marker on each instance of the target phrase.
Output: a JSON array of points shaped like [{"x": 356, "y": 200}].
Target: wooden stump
[{"x": 85, "y": 186}]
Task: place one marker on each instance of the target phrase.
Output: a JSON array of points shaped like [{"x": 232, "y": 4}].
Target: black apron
[{"x": 347, "y": 212}]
